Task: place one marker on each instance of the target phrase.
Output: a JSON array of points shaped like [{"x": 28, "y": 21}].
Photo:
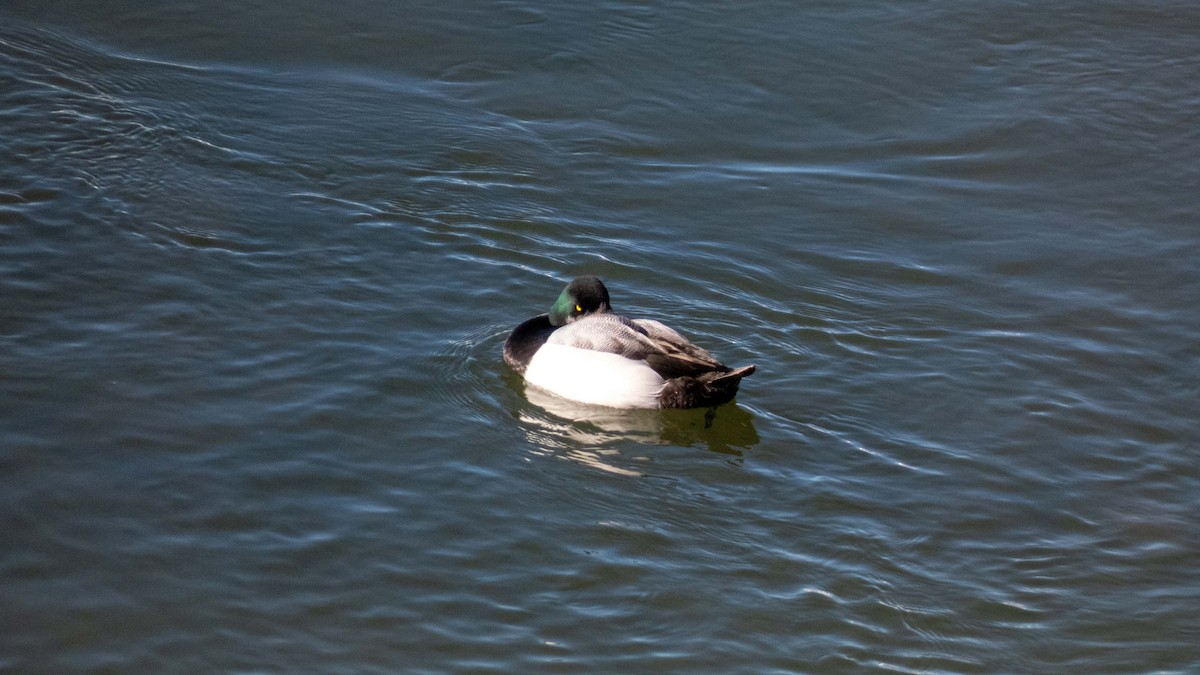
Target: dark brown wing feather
[{"x": 676, "y": 356}]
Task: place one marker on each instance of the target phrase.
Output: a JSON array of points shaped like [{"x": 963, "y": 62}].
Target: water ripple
[{"x": 256, "y": 285}]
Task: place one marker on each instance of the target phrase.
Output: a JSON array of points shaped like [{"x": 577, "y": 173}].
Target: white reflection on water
[{"x": 594, "y": 435}]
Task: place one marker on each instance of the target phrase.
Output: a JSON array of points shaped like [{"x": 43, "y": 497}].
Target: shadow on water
[{"x": 554, "y": 422}]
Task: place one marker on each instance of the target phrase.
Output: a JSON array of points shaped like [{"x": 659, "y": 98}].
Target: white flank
[{"x": 597, "y": 378}]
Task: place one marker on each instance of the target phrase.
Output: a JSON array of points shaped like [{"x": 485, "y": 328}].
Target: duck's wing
[
  {"x": 676, "y": 355},
  {"x": 663, "y": 349}
]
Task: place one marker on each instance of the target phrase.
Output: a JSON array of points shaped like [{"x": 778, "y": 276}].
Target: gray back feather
[
  {"x": 605, "y": 333},
  {"x": 664, "y": 349}
]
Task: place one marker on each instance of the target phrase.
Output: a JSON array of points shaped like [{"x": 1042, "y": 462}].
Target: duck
[{"x": 583, "y": 351}]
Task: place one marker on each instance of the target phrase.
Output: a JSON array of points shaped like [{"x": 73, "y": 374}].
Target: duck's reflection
[{"x": 594, "y": 435}]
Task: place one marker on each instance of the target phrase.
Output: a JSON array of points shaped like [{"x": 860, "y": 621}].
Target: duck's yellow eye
[{"x": 578, "y": 308}]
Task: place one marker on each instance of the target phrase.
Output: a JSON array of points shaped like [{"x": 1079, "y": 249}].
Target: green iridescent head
[{"x": 583, "y": 296}]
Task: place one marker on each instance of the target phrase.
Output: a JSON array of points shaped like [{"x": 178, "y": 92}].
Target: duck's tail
[
  {"x": 735, "y": 375},
  {"x": 711, "y": 388}
]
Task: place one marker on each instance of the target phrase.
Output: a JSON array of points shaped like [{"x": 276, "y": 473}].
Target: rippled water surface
[{"x": 257, "y": 261}]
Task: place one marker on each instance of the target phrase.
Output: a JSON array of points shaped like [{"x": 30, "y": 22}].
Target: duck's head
[{"x": 583, "y": 296}]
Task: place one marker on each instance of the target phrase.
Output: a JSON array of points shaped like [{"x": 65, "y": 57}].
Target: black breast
[{"x": 526, "y": 339}]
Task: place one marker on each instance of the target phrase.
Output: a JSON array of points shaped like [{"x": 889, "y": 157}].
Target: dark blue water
[{"x": 257, "y": 262}]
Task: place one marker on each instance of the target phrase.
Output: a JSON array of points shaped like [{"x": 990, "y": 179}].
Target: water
[{"x": 258, "y": 260}]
